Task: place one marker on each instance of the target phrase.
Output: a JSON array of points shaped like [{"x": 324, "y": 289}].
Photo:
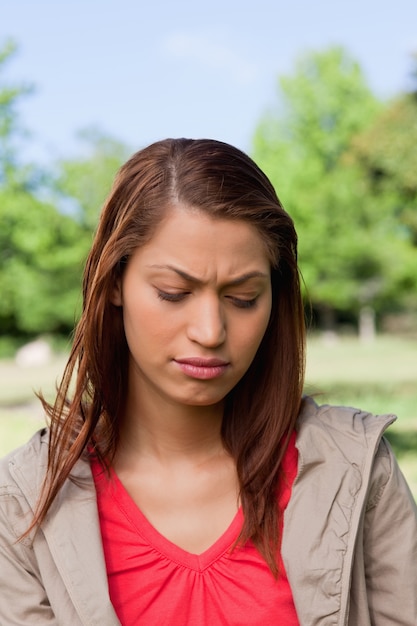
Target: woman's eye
[
  {"x": 242, "y": 303},
  {"x": 171, "y": 297}
]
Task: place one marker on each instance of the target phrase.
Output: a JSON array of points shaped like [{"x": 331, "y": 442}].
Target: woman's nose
[{"x": 207, "y": 325}]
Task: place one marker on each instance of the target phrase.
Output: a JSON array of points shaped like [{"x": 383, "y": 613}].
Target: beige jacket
[{"x": 349, "y": 545}]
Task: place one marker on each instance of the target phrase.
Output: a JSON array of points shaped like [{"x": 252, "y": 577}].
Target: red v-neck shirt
[{"x": 152, "y": 581}]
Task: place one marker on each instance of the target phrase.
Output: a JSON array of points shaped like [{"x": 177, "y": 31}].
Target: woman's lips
[{"x": 204, "y": 369}]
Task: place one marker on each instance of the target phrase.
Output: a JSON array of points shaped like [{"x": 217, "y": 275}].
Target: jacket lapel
[{"x": 72, "y": 532}]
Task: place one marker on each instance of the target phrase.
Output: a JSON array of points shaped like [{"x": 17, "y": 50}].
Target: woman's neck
[{"x": 169, "y": 431}]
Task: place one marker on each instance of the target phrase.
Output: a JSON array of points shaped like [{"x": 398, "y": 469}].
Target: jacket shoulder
[
  {"x": 25, "y": 466},
  {"x": 342, "y": 420}
]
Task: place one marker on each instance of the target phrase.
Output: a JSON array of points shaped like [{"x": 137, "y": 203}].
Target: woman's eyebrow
[{"x": 193, "y": 279}]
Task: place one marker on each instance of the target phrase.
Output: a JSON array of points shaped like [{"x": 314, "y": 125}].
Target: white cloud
[{"x": 213, "y": 54}]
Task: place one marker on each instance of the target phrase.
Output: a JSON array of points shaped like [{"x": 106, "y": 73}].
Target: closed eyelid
[
  {"x": 243, "y": 303},
  {"x": 242, "y": 296},
  {"x": 172, "y": 296}
]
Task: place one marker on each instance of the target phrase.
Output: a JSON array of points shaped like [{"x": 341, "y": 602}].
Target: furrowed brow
[
  {"x": 239, "y": 280},
  {"x": 245, "y": 277}
]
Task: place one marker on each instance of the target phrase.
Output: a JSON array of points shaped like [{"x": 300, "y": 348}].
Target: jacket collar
[{"x": 336, "y": 448}]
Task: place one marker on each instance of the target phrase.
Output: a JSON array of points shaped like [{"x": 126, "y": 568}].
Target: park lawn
[
  {"x": 21, "y": 413},
  {"x": 380, "y": 377}
]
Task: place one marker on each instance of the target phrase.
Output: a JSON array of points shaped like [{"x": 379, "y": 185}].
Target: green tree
[
  {"x": 43, "y": 248},
  {"x": 344, "y": 236},
  {"x": 46, "y": 221},
  {"x": 41, "y": 258},
  {"x": 40, "y": 253},
  {"x": 386, "y": 152}
]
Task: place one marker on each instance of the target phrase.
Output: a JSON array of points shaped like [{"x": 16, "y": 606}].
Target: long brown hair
[{"x": 261, "y": 410}]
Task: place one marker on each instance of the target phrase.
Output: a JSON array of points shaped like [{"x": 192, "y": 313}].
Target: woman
[{"x": 183, "y": 479}]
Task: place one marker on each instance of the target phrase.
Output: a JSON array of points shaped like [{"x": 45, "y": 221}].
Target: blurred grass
[
  {"x": 380, "y": 377},
  {"x": 21, "y": 413}
]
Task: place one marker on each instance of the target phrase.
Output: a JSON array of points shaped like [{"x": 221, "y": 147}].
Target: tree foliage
[
  {"x": 40, "y": 266},
  {"x": 348, "y": 237},
  {"x": 387, "y": 152},
  {"x": 43, "y": 244}
]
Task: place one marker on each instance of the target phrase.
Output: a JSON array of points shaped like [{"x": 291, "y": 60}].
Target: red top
[{"x": 153, "y": 581}]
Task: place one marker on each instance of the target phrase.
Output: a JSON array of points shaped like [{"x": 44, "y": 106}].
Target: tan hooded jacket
[{"x": 349, "y": 544}]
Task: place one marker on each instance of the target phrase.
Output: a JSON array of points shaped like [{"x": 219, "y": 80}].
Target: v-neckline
[{"x": 165, "y": 546}]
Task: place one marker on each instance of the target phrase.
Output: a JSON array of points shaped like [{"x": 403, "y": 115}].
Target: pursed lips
[{"x": 204, "y": 369}]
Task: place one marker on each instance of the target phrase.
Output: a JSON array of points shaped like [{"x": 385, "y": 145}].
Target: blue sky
[{"x": 147, "y": 69}]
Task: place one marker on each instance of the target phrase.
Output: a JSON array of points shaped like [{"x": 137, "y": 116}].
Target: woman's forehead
[{"x": 198, "y": 244}]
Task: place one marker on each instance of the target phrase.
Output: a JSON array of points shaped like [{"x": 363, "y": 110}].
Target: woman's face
[{"x": 196, "y": 302}]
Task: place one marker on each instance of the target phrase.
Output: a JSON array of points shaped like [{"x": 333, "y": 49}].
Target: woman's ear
[{"x": 116, "y": 297}]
